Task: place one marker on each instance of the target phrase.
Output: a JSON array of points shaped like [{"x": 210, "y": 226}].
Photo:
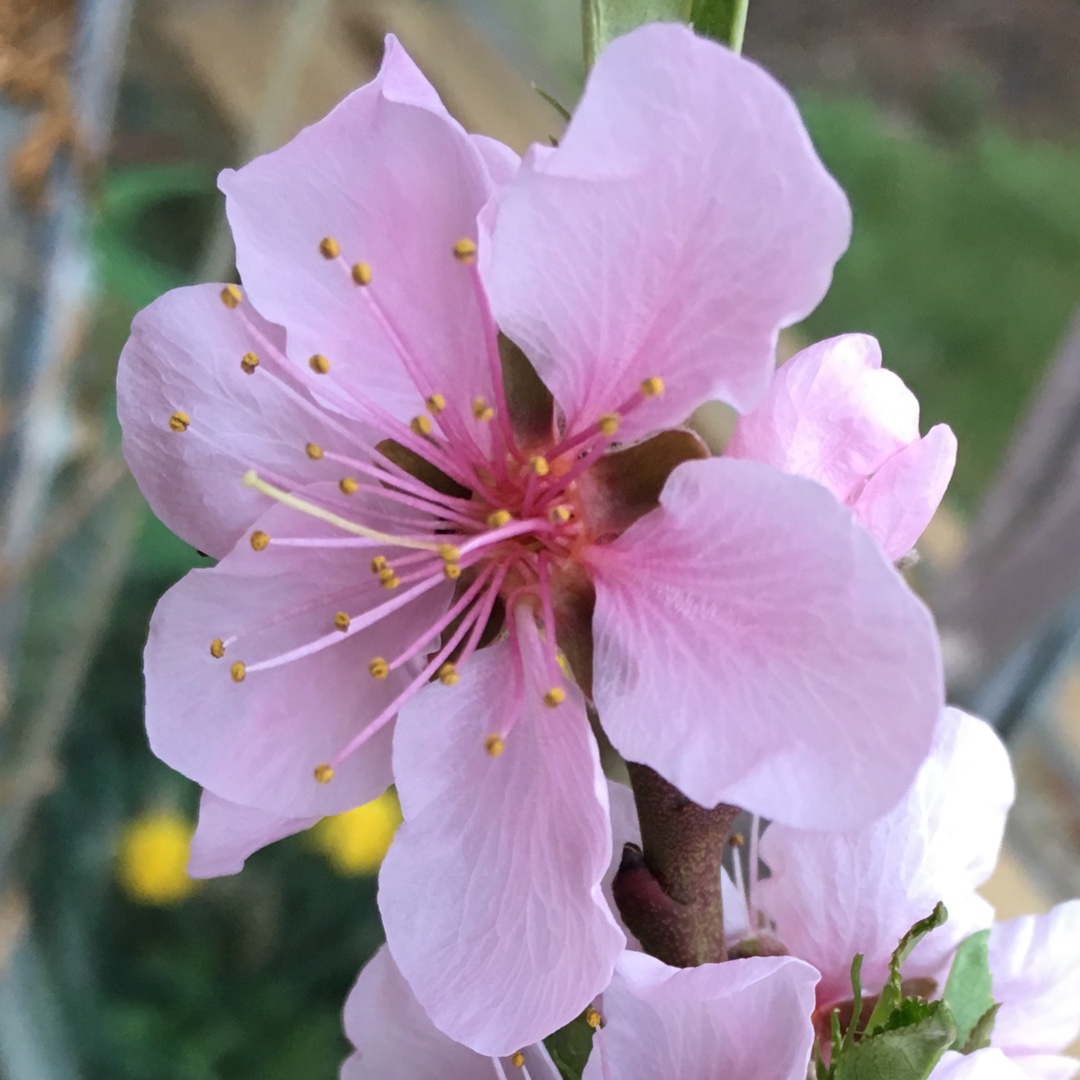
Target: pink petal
[
  {"x": 184, "y": 355},
  {"x": 257, "y": 742},
  {"x": 228, "y": 833},
  {"x": 832, "y": 415},
  {"x": 743, "y": 1020},
  {"x": 397, "y": 182},
  {"x": 1035, "y": 961},
  {"x": 754, "y": 646},
  {"x": 898, "y": 502},
  {"x": 836, "y": 894},
  {"x": 988, "y": 1064},
  {"x": 682, "y": 221},
  {"x": 491, "y": 892}
]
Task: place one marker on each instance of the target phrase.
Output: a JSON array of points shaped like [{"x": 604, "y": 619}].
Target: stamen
[
  {"x": 231, "y": 296},
  {"x": 391, "y": 582},
  {"x": 249, "y": 362},
  {"x": 451, "y": 571},
  {"x": 594, "y": 1019},
  {"x": 379, "y": 668},
  {"x": 608, "y": 425},
  {"x": 386, "y": 573},
  {"x": 495, "y": 745},
  {"x": 179, "y": 421},
  {"x": 378, "y": 563},
  {"x": 500, "y": 1072},
  {"x": 361, "y": 274},
  {"x": 652, "y": 387},
  {"x": 259, "y": 540},
  {"x": 329, "y": 248},
  {"x": 539, "y": 465},
  {"x": 436, "y": 403},
  {"x": 349, "y": 485},
  {"x": 465, "y": 250},
  {"x": 482, "y": 410},
  {"x": 314, "y": 451},
  {"x": 737, "y": 840},
  {"x": 422, "y": 425},
  {"x": 559, "y": 515},
  {"x": 449, "y": 553},
  {"x": 448, "y": 674},
  {"x": 498, "y": 518},
  {"x": 517, "y": 1060},
  {"x": 555, "y": 696},
  {"x": 319, "y": 364},
  {"x": 324, "y": 774},
  {"x": 217, "y": 648},
  {"x": 252, "y": 479},
  {"x": 238, "y": 671},
  {"x": 342, "y": 621}
]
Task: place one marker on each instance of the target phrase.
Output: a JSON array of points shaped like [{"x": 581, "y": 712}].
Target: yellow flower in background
[
  {"x": 357, "y": 841},
  {"x": 152, "y": 856}
]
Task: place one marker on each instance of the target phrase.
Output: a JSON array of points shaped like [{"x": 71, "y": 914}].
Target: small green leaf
[
  {"x": 721, "y": 20},
  {"x": 554, "y": 102},
  {"x": 907, "y": 1052},
  {"x": 891, "y": 993},
  {"x": 969, "y": 988},
  {"x": 569, "y": 1048},
  {"x": 979, "y": 1039},
  {"x": 603, "y": 20},
  {"x": 856, "y": 999}
]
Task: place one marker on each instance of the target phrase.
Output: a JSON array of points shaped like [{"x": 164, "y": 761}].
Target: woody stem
[{"x": 668, "y": 891}]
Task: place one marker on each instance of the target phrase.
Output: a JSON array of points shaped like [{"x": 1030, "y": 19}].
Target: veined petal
[
  {"x": 743, "y": 1020},
  {"x": 228, "y": 833},
  {"x": 835, "y": 894},
  {"x": 395, "y": 183},
  {"x": 257, "y": 742},
  {"x": 195, "y": 420},
  {"x": 490, "y": 894},
  {"x": 753, "y": 645},
  {"x": 682, "y": 221}
]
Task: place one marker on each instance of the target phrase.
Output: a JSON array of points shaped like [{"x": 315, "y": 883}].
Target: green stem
[{"x": 721, "y": 20}]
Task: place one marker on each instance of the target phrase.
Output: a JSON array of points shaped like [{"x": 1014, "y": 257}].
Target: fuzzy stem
[{"x": 668, "y": 891}]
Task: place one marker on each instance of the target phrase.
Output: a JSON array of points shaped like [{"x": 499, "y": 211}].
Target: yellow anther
[
  {"x": 593, "y": 1019},
  {"x": 259, "y": 540},
  {"x": 421, "y": 425},
  {"x": 349, "y": 485},
  {"x": 329, "y": 248},
  {"x": 436, "y": 403},
  {"x": 217, "y": 648},
  {"x": 379, "y": 668},
  {"x": 447, "y": 674},
  {"x": 498, "y": 518},
  {"x": 319, "y": 364},
  {"x": 559, "y": 515},
  {"x": 385, "y": 572},
  {"x": 179, "y": 421},
  {"x": 494, "y": 745},
  {"x": 449, "y": 552},
  {"x": 482, "y": 410},
  {"x": 465, "y": 250},
  {"x": 249, "y": 362},
  {"x": 451, "y": 571},
  {"x": 391, "y": 582},
  {"x": 361, "y": 273},
  {"x": 342, "y": 621},
  {"x": 608, "y": 424},
  {"x": 560, "y": 659},
  {"x": 737, "y": 840},
  {"x": 378, "y": 563},
  {"x": 238, "y": 671},
  {"x": 539, "y": 465},
  {"x": 652, "y": 387},
  {"x": 324, "y": 774},
  {"x": 555, "y": 696},
  {"x": 518, "y": 1060},
  {"x": 314, "y": 451},
  {"x": 231, "y": 296}
]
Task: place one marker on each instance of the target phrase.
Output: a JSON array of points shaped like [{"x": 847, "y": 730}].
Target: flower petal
[
  {"x": 753, "y": 645},
  {"x": 491, "y": 892},
  {"x": 835, "y": 894},
  {"x": 228, "y": 833},
  {"x": 988, "y": 1064},
  {"x": 183, "y": 360},
  {"x": 743, "y": 1020},
  {"x": 682, "y": 221},
  {"x": 1035, "y": 962},
  {"x": 396, "y": 182},
  {"x": 257, "y": 742},
  {"x": 900, "y": 499}
]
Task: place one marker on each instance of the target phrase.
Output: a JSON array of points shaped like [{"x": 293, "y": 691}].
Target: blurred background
[{"x": 954, "y": 125}]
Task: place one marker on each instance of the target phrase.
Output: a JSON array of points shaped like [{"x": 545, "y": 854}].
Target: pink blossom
[
  {"x": 833, "y": 414},
  {"x": 988, "y": 1064},
  {"x": 409, "y": 497},
  {"x": 743, "y": 1020}
]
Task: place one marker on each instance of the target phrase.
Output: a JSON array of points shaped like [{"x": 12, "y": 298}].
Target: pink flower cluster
[{"x": 437, "y": 444}]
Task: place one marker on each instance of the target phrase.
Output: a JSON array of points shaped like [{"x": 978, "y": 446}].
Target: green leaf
[
  {"x": 891, "y": 993},
  {"x": 907, "y": 1052},
  {"x": 969, "y": 988},
  {"x": 979, "y": 1039},
  {"x": 856, "y": 999},
  {"x": 603, "y": 20},
  {"x": 721, "y": 20},
  {"x": 569, "y": 1048}
]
